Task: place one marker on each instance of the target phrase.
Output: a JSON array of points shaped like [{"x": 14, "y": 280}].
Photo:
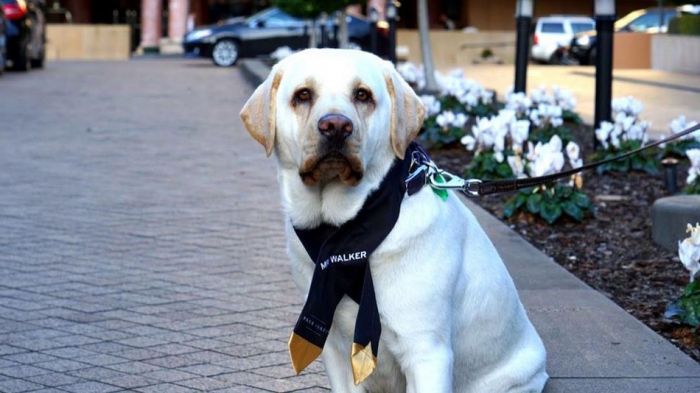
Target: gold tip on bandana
[
  {"x": 302, "y": 352},
  {"x": 363, "y": 362}
]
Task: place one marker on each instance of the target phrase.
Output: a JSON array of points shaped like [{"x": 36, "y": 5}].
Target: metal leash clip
[{"x": 443, "y": 180}]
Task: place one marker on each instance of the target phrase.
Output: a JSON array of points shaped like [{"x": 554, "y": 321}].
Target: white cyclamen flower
[
  {"x": 573, "y": 153},
  {"x": 519, "y": 131},
  {"x": 680, "y": 124},
  {"x": 603, "y": 133},
  {"x": 694, "y": 171},
  {"x": 689, "y": 251},
  {"x": 432, "y": 104},
  {"x": 517, "y": 166},
  {"x": 469, "y": 142},
  {"x": 448, "y": 119},
  {"x": 548, "y": 158}
]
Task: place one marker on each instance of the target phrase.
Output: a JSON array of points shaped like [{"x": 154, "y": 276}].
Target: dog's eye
[
  {"x": 302, "y": 95},
  {"x": 363, "y": 95}
]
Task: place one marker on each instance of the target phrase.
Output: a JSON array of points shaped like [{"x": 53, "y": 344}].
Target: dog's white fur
[{"x": 451, "y": 317}]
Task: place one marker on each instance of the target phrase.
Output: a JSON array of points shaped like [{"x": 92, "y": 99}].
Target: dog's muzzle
[{"x": 333, "y": 158}]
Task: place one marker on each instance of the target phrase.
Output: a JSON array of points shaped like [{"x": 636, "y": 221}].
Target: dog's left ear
[
  {"x": 407, "y": 111},
  {"x": 259, "y": 113}
]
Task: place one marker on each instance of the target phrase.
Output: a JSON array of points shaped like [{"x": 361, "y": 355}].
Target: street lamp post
[
  {"x": 391, "y": 14},
  {"x": 523, "y": 20},
  {"x": 604, "y": 23},
  {"x": 374, "y": 18}
]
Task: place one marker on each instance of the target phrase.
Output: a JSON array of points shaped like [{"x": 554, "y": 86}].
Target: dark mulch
[{"x": 612, "y": 251}]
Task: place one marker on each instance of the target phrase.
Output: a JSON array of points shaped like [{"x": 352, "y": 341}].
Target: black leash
[{"x": 439, "y": 179}]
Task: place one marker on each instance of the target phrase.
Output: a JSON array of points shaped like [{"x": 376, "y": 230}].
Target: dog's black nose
[{"x": 335, "y": 127}]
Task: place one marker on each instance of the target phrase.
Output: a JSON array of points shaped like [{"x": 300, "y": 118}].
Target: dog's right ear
[{"x": 259, "y": 112}]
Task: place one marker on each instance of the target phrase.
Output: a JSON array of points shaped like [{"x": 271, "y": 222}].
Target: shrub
[
  {"x": 693, "y": 179},
  {"x": 553, "y": 201},
  {"x": 627, "y": 133},
  {"x": 679, "y": 148},
  {"x": 494, "y": 140},
  {"x": 687, "y": 308},
  {"x": 685, "y": 24},
  {"x": 548, "y": 112},
  {"x": 458, "y": 100}
]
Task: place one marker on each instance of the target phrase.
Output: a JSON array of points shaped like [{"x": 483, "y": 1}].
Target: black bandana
[{"x": 341, "y": 255}]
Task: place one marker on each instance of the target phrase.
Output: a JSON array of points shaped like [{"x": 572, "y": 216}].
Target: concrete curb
[{"x": 593, "y": 344}]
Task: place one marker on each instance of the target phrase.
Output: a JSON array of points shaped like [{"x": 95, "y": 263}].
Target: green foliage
[
  {"x": 687, "y": 308},
  {"x": 571, "y": 117},
  {"x": 545, "y": 134},
  {"x": 550, "y": 204},
  {"x": 485, "y": 166},
  {"x": 435, "y": 136},
  {"x": 644, "y": 162},
  {"x": 685, "y": 24},
  {"x": 693, "y": 188},
  {"x": 678, "y": 149}
]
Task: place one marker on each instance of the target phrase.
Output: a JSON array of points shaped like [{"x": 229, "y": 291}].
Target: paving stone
[
  {"x": 17, "y": 385},
  {"x": 143, "y": 250},
  {"x": 90, "y": 387}
]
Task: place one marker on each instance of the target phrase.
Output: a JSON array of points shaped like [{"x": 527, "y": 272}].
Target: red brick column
[
  {"x": 151, "y": 11},
  {"x": 177, "y": 19}
]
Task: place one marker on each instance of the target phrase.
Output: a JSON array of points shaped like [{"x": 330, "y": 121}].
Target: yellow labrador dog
[{"x": 451, "y": 318}]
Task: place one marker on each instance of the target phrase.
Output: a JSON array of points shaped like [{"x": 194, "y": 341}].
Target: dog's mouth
[{"x": 331, "y": 166}]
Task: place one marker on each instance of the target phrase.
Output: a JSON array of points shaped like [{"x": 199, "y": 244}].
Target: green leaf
[
  {"x": 581, "y": 200},
  {"x": 509, "y": 208},
  {"x": 533, "y": 203},
  {"x": 550, "y": 212},
  {"x": 572, "y": 210},
  {"x": 520, "y": 200}
]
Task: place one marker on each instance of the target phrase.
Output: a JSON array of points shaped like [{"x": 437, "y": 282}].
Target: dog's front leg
[
  {"x": 336, "y": 358},
  {"x": 428, "y": 368}
]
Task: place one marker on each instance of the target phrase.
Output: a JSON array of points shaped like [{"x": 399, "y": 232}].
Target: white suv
[{"x": 556, "y": 31}]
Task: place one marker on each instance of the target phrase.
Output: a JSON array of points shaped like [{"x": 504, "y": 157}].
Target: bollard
[
  {"x": 523, "y": 20},
  {"x": 604, "y": 24},
  {"x": 391, "y": 14},
  {"x": 670, "y": 174}
]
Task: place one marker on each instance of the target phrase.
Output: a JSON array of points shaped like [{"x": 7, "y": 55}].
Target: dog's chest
[{"x": 387, "y": 376}]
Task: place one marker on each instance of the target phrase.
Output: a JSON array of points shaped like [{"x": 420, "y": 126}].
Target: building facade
[{"x": 159, "y": 25}]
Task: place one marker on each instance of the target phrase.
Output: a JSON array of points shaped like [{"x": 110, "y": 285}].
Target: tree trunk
[
  {"x": 425, "y": 49},
  {"x": 343, "y": 39}
]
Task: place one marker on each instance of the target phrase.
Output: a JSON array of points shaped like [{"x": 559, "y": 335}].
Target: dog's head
[{"x": 331, "y": 113}]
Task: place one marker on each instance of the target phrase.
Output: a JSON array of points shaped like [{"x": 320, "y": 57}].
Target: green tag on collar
[{"x": 439, "y": 192}]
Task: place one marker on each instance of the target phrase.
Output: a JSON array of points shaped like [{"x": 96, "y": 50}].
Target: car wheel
[
  {"x": 225, "y": 53},
  {"x": 39, "y": 61},
  {"x": 22, "y": 61},
  {"x": 2, "y": 61}
]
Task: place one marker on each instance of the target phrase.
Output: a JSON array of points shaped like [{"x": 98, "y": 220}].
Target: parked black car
[
  {"x": 261, "y": 34},
  {"x": 25, "y": 30},
  {"x": 3, "y": 41},
  {"x": 583, "y": 45}
]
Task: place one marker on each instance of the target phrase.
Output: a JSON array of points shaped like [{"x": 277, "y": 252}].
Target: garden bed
[{"x": 612, "y": 252}]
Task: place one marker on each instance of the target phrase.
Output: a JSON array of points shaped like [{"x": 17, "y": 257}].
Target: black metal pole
[
  {"x": 603, "y": 69},
  {"x": 391, "y": 18},
  {"x": 522, "y": 49}
]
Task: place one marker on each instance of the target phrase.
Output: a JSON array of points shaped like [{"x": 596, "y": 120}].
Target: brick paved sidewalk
[{"x": 140, "y": 247}]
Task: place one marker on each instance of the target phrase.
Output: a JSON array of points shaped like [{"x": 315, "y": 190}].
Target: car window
[
  {"x": 280, "y": 19},
  {"x": 549, "y": 27},
  {"x": 644, "y": 22},
  {"x": 578, "y": 27}
]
